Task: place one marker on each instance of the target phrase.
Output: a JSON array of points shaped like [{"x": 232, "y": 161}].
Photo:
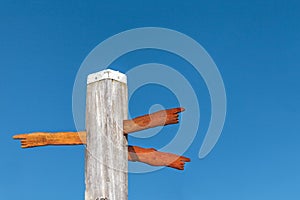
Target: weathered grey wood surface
[{"x": 106, "y": 154}]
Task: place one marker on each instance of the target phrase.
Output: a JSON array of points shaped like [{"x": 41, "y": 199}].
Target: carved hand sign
[{"x": 135, "y": 153}]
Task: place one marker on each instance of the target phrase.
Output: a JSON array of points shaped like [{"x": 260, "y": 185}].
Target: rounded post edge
[{"x": 107, "y": 74}]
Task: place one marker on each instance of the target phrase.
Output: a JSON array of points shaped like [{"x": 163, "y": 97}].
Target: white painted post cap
[{"x": 107, "y": 74}]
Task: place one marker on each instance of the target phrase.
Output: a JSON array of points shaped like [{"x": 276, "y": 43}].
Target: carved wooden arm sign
[{"x": 136, "y": 154}]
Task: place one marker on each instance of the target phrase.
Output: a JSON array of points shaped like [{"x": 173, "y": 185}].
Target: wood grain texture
[
  {"x": 46, "y": 138},
  {"x": 106, "y": 152}
]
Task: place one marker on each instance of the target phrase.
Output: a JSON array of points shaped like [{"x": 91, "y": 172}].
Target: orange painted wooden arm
[
  {"x": 160, "y": 118},
  {"x": 156, "y": 158},
  {"x": 43, "y": 139}
]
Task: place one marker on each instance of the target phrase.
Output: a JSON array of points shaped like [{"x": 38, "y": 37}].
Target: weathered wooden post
[{"x": 106, "y": 153}]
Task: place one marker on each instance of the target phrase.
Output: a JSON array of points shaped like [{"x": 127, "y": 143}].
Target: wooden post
[{"x": 106, "y": 175}]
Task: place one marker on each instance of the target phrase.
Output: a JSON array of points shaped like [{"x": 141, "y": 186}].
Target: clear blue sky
[{"x": 255, "y": 45}]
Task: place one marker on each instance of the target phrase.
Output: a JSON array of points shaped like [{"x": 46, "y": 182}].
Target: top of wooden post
[{"x": 107, "y": 74}]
